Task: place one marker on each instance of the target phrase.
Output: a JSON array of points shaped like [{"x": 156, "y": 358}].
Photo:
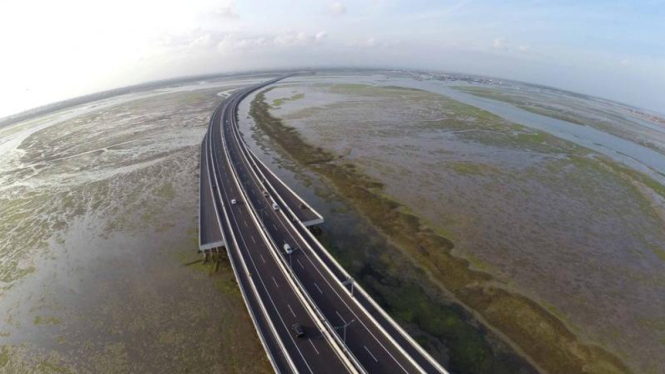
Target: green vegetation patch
[
  {"x": 4, "y": 356},
  {"x": 39, "y": 320},
  {"x": 472, "y": 168},
  {"x": 282, "y": 100}
]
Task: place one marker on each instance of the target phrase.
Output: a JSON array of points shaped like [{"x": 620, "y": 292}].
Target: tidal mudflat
[
  {"x": 489, "y": 240},
  {"x": 98, "y": 263}
]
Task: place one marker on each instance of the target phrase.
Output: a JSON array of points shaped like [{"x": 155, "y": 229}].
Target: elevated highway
[{"x": 256, "y": 215}]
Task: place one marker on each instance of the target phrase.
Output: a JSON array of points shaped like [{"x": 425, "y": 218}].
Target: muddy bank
[{"x": 537, "y": 332}]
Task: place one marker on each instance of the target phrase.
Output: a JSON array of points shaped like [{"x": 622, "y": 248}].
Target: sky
[{"x": 55, "y": 50}]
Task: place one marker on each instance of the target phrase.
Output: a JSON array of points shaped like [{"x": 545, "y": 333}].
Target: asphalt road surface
[{"x": 305, "y": 286}]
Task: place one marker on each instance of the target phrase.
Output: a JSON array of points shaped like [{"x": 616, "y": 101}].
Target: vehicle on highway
[
  {"x": 275, "y": 206},
  {"x": 298, "y": 330},
  {"x": 233, "y": 201},
  {"x": 287, "y": 248}
]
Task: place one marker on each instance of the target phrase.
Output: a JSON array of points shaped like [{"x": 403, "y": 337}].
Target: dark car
[{"x": 300, "y": 332}]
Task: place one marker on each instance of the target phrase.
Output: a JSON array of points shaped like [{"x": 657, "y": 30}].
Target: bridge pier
[
  {"x": 215, "y": 254},
  {"x": 316, "y": 230}
]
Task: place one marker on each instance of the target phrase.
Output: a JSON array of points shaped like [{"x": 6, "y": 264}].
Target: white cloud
[
  {"x": 226, "y": 11},
  {"x": 202, "y": 41},
  {"x": 499, "y": 43},
  {"x": 300, "y": 38},
  {"x": 291, "y": 38},
  {"x": 202, "y": 36},
  {"x": 337, "y": 9},
  {"x": 373, "y": 42},
  {"x": 235, "y": 43},
  {"x": 231, "y": 44}
]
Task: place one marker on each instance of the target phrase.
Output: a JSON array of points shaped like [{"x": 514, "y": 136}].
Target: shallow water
[{"x": 634, "y": 155}]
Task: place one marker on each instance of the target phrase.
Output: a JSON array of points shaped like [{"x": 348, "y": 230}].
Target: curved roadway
[{"x": 345, "y": 330}]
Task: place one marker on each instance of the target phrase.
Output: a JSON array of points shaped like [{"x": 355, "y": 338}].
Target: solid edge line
[
  {"x": 251, "y": 281},
  {"x": 286, "y": 274},
  {"x": 308, "y": 300},
  {"x": 320, "y": 218},
  {"x": 361, "y": 308}
]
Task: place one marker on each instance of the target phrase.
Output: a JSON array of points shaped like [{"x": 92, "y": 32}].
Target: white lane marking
[
  {"x": 370, "y": 353},
  {"x": 245, "y": 223},
  {"x": 340, "y": 317},
  {"x": 318, "y": 288},
  {"x": 281, "y": 319},
  {"x": 300, "y": 263},
  {"x": 273, "y": 279},
  {"x": 313, "y": 346},
  {"x": 252, "y": 236},
  {"x": 276, "y": 229},
  {"x": 263, "y": 259},
  {"x": 354, "y": 313},
  {"x": 289, "y": 305},
  {"x": 280, "y": 220}
]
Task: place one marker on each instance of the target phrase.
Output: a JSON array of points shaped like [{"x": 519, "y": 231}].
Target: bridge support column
[{"x": 316, "y": 230}]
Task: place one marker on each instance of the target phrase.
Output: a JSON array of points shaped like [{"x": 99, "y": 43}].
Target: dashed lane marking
[
  {"x": 340, "y": 317},
  {"x": 370, "y": 353},
  {"x": 313, "y": 346}
]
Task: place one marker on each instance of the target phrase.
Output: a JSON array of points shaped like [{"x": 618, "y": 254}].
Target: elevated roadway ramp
[
  {"x": 210, "y": 236},
  {"x": 303, "y": 211}
]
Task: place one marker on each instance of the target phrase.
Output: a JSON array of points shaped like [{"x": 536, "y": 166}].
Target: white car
[
  {"x": 287, "y": 248},
  {"x": 275, "y": 206},
  {"x": 233, "y": 201}
]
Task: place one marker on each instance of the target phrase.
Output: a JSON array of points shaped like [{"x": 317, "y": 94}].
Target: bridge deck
[
  {"x": 305, "y": 213},
  {"x": 209, "y": 234},
  {"x": 317, "y": 296}
]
